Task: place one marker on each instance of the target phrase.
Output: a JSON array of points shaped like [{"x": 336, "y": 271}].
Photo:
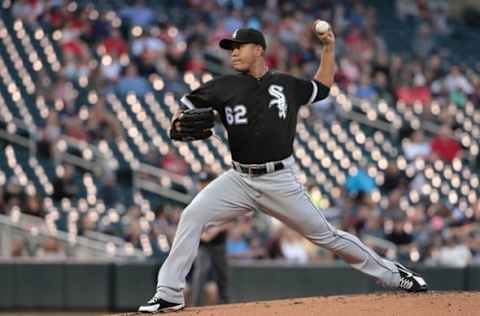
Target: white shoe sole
[{"x": 154, "y": 309}]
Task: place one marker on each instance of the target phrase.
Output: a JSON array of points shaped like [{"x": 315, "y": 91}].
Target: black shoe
[
  {"x": 410, "y": 281},
  {"x": 156, "y": 304}
]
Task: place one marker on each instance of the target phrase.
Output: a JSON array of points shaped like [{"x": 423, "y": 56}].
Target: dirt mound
[{"x": 432, "y": 303}]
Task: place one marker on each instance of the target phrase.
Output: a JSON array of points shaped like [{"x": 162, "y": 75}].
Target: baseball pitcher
[{"x": 258, "y": 108}]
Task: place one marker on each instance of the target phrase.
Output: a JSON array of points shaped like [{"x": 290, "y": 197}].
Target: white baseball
[{"x": 321, "y": 26}]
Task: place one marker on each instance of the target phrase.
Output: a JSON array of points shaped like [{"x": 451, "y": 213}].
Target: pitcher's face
[{"x": 243, "y": 56}]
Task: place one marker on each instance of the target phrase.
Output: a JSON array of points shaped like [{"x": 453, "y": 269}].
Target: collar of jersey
[{"x": 265, "y": 75}]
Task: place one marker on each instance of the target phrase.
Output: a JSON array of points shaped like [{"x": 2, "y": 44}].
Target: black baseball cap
[{"x": 244, "y": 36}]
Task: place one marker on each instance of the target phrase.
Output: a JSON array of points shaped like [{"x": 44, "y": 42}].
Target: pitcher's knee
[{"x": 193, "y": 215}]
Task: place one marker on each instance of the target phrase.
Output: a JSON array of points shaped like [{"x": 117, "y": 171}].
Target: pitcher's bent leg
[{"x": 221, "y": 200}]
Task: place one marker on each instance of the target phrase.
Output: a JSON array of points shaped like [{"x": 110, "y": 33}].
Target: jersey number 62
[{"x": 236, "y": 115}]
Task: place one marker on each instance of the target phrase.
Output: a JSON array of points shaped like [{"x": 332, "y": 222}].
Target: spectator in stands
[
  {"x": 62, "y": 91},
  {"x": 102, "y": 124},
  {"x": 18, "y": 248},
  {"x": 373, "y": 225},
  {"x": 325, "y": 109},
  {"x": 440, "y": 17},
  {"x": 44, "y": 85},
  {"x": 366, "y": 89},
  {"x": 133, "y": 234},
  {"x": 13, "y": 206},
  {"x": 292, "y": 246},
  {"x": 153, "y": 157},
  {"x": 51, "y": 249},
  {"x": 348, "y": 72},
  {"x": 99, "y": 28},
  {"x": 114, "y": 44},
  {"x": 54, "y": 15},
  {"x": 456, "y": 81},
  {"x": 49, "y": 135},
  {"x": 418, "y": 92},
  {"x": 416, "y": 146},
  {"x": 88, "y": 223},
  {"x": 52, "y": 130},
  {"x": 162, "y": 225},
  {"x": 28, "y": 10},
  {"x": 149, "y": 46},
  {"x": 109, "y": 192},
  {"x": 399, "y": 232},
  {"x": 397, "y": 66},
  {"x": 473, "y": 241},
  {"x": 174, "y": 214},
  {"x": 71, "y": 42},
  {"x": 382, "y": 88},
  {"x": 238, "y": 246},
  {"x": 172, "y": 79},
  {"x": 444, "y": 145},
  {"x": 33, "y": 206},
  {"x": 453, "y": 253},
  {"x": 434, "y": 69},
  {"x": 423, "y": 43},
  {"x": 138, "y": 14},
  {"x": 132, "y": 82},
  {"x": 14, "y": 192},
  {"x": 75, "y": 67},
  {"x": 132, "y": 215},
  {"x": 111, "y": 68},
  {"x": 359, "y": 182},
  {"x": 355, "y": 212},
  {"x": 174, "y": 163},
  {"x": 64, "y": 185},
  {"x": 76, "y": 129},
  {"x": 394, "y": 178},
  {"x": 440, "y": 216}
]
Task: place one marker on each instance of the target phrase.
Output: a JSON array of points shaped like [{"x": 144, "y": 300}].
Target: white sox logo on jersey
[{"x": 279, "y": 100}]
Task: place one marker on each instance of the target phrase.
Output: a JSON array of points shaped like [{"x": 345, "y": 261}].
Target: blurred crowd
[{"x": 125, "y": 48}]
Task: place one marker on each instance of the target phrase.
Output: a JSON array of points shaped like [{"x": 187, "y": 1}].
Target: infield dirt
[{"x": 401, "y": 304}]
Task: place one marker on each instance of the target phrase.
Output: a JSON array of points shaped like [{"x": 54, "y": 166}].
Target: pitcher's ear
[{"x": 259, "y": 51}]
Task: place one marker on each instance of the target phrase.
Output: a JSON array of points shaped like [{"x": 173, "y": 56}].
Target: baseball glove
[{"x": 192, "y": 124}]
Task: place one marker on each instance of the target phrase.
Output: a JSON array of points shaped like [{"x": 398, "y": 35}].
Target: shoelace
[
  {"x": 406, "y": 283},
  {"x": 153, "y": 299}
]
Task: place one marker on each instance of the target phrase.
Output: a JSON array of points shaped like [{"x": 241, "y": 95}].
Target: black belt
[{"x": 258, "y": 170}]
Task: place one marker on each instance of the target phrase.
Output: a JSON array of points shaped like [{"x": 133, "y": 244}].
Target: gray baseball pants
[{"x": 278, "y": 194}]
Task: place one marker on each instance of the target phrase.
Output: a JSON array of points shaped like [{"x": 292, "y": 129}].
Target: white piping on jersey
[
  {"x": 187, "y": 102},
  {"x": 314, "y": 93}
]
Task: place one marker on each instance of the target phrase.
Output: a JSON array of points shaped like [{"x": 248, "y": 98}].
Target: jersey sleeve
[
  {"x": 309, "y": 91},
  {"x": 204, "y": 96}
]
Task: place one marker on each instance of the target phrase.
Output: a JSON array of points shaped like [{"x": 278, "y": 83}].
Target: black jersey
[{"x": 260, "y": 115}]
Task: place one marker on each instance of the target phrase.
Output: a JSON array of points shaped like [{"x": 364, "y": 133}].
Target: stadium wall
[{"x": 123, "y": 286}]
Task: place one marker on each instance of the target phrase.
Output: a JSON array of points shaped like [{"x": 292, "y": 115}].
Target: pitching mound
[{"x": 433, "y": 303}]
